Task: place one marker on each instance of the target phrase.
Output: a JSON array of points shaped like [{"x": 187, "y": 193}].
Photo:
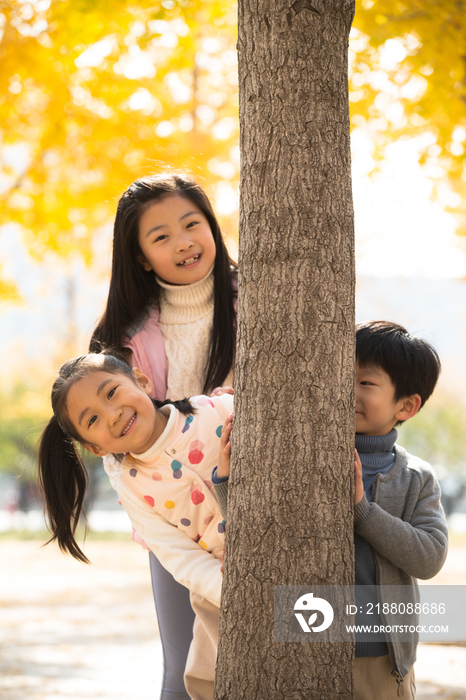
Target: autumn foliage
[{"x": 94, "y": 94}]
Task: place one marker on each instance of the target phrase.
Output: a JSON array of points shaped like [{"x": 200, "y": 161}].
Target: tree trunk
[{"x": 290, "y": 515}]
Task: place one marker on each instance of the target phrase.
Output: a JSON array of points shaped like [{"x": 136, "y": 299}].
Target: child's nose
[
  {"x": 184, "y": 242},
  {"x": 114, "y": 416}
]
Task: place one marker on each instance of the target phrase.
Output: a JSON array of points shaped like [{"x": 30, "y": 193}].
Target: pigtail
[
  {"x": 63, "y": 479},
  {"x": 184, "y": 406}
]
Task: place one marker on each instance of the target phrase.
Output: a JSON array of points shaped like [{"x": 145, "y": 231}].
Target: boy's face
[{"x": 376, "y": 408}]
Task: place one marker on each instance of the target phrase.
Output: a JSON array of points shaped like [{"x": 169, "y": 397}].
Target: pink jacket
[{"x": 148, "y": 348}]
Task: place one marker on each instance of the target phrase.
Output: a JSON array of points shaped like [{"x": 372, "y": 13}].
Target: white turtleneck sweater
[{"x": 186, "y": 318}]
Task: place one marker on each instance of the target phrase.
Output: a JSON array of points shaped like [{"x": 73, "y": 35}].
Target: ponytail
[
  {"x": 63, "y": 478},
  {"x": 184, "y": 406}
]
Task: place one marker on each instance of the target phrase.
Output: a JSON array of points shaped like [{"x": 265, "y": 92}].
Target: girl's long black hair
[
  {"x": 132, "y": 288},
  {"x": 62, "y": 474}
]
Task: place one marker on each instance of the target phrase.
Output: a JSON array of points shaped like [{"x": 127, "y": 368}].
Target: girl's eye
[
  {"x": 111, "y": 392},
  {"x": 92, "y": 420},
  {"x": 160, "y": 238},
  {"x": 191, "y": 224}
]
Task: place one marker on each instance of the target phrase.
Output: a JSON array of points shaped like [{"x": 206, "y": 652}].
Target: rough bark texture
[{"x": 290, "y": 509}]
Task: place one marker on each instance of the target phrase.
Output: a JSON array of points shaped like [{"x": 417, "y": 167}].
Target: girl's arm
[{"x": 188, "y": 563}]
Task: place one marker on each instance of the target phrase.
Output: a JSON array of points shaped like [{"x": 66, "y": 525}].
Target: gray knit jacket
[{"x": 406, "y": 527}]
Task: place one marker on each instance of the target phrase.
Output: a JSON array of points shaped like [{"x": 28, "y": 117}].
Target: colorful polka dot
[
  {"x": 169, "y": 504},
  {"x": 156, "y": 476},
  {"x": 202, "y": 544},
  {"x": 149, "y": 500},
  {"x": 175, "y": 465},
  {"x": 129, "y": 458},
  {"x": 221, "y": 527},
  {"x": 177, "y": 475},
  {"x": 197, "y": 497},
  {"x": 187, "y": 423},
  {"x": 185, "y": 522},
  {"x": 204, "y": 401},
  {"x": 219, "y": 431},
  {"x": 195, "y": 454},
  {"x": 196, "y": 445},
  {"x": 133, "y": 472}
]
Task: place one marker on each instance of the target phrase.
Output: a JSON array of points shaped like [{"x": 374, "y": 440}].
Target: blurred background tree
[
  {"x": 408, "y": 80},
  {"x": 93, "y": 96},
  {"x": 437, "y": 433},
  {"x": 19, "y": 429}
]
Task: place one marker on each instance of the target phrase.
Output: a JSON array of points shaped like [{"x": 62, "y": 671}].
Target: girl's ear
[
  {"x": 146, "y": 265},
  {"x": 143, "y": 381},
  {"x": 97, "y": 451},
  {"x": 410, "y": 407}
]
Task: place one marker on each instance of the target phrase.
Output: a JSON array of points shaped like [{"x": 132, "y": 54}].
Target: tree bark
[{"x": 290, "y": 515}]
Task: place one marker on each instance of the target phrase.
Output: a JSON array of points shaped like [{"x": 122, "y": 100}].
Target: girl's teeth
[
  {"x": 191, "y": 260},
  {"x": 129, "y": 425}
]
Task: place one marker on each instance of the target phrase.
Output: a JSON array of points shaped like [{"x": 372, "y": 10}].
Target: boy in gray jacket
[{"x": 400, "y": 528}]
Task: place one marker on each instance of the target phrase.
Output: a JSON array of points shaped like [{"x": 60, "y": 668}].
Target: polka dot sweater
[{"x": 173, "y": 476}]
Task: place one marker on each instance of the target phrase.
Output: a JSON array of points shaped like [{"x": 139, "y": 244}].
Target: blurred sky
[{"x": 400, "y": 230}]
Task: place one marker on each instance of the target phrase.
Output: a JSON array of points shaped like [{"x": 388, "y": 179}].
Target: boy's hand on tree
[
  {"x": 358, "y": 485},
  {"x": 223, "y": 468},
  {"x": 218, "y": 391}
]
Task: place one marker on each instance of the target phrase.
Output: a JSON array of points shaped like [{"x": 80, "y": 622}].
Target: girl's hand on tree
[
  {"x": 223, "y": 468},
  {"x": 223, "y": 390},
  {"x": 358, "y": 485}
]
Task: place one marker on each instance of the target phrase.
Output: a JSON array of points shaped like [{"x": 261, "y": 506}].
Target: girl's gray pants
[{"x": 175, "y": 617}]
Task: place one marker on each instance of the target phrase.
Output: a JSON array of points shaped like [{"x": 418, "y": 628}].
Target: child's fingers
[
  {"x": 218, "y": 391},
  {"x": 358, "y": 482},
  {"x": 226, "y": 432},
  {"x": 357, "y": 462},
  {"x": 228, "y": 423}
]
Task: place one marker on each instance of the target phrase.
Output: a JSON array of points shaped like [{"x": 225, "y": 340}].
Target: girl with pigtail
[
  {"x": 171, "y": 312},
  {"x": 162, "y": 456}
]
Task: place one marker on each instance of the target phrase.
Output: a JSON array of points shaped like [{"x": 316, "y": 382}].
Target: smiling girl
[{"x": 163, "y": 456}]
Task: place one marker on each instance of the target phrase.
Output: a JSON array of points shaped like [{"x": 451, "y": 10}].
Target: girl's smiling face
[
  {"x": 176, "y": 241},
  {"x": 113, "y": 413}
]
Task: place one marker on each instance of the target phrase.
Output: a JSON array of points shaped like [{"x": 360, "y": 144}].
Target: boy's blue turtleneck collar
[
  {"x": 376, "y": 444},
  {"x": 377, "y": 456}
]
